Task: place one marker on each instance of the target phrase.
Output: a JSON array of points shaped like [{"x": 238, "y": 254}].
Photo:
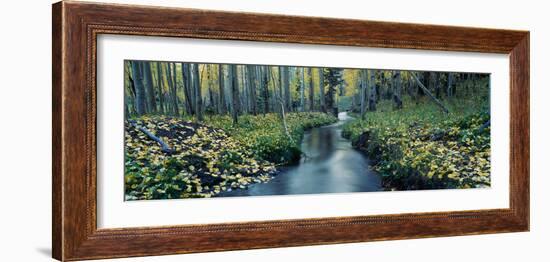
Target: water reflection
[{"x": 329, "y": 165}]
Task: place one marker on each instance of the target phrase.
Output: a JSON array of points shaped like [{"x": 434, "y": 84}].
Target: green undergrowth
[
  {"x": 209, "y": 158},
  {"x": 420, "y": 147},
  {"x": 265, "y": 136}
]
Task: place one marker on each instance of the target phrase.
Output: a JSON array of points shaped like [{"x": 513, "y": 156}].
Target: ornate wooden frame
[{"x": 76, "y": 26}]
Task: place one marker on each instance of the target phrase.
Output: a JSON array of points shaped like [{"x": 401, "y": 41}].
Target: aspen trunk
[
  {"x": 235, "y": 101},
  {"x": 426, "y": 91},
  {"x": 373, "y": 93},
  {"x": 148, "y": 77},
  {"x": 398, "y": 103},
  {"x": 198, "y": 92},
  {"x": 221, "y": 80},
  {"x": 160, "y": 84},
  {"x": 450, "y": 84},
  {"x": 311, "y": 90},
  {"x": 363, "y": 86},
  {"x": 302, "y": 91},
  {"x": 139, "y": 89},
  {"x": 265, "y": 76},
  {"x": 251, "y": 75},
  {"x": 322, "y": 90}
]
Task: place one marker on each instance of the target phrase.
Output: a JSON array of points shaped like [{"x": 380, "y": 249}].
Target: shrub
[
  {"x": 209, "y": 158},
  {"x": 425, "y": 148}
]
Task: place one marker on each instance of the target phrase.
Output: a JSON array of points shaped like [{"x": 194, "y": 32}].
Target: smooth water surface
[{"x": 329, "y": 165}]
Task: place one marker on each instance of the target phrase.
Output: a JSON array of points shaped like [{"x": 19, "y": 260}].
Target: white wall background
[{"x": 25, "y": 129}]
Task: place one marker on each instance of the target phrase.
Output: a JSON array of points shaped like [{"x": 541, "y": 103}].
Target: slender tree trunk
[
  {"x": 322, "y": 90},
  {"x": 281, "y": 82},
  {"x": 283, "y": 117},
  {"x": 329, "y": 98},
  {"x": 469, "y": 79},
  {"x": 235, "y": 100},
  {"x": 431, "y": 83},
  {"x": 189, "y": 90},
  {"x": 251, "y": 74},
  {"x": 373, "y": 94},
  {"x": 426, "y": 91},
  {"x": 363, "y": 88},
  {"x": 244, "y": 92},
  {"x": 145, "y": 87},
  {"x": 247, "y": 74},
  {"x": 398, "y": 102},
  {"x": 168, "y": 99},
  {"x": 377, "y": 87},
  {"x": 437, "y": 86},
  {"x": 449, "y": 84},
  {"x": 311, "y": 90},
  {"x": 160, "y": 83},
  {"x": 266, "y": 71},
  {"x": 424, "y": 78},
  {"x": 148, "y": 77},
  {"x": 126, "y": 111},
  {"x": 198, "y": 92},
  {"x": 221, "y": 79},
  {"x": 410, "y": 86},
  {"x": 278, "y": 99},
  {"x": 140, "y": 90},
  {"x": 257, "y": 87},
  {"x": 175, "y": 82},
  {"x": 209, "y": 74},
  {"x": 131, "y": 100},
  {"x": 384, "y": 89},
  {"x": 186, "y": 79},
  {"x": 171, "y": 85},
  {"x": 276, "y": 92},
  {"x": 302, "y": 91},
  {"x": 287, "y": 97}
]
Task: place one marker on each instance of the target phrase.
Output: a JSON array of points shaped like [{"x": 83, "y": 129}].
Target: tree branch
[
  {"x": 430, "y": 94},
  {"x": 164, "y": 147}
]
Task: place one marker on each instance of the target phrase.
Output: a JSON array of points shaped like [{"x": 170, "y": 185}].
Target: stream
[{"x": 329, "y": 165}]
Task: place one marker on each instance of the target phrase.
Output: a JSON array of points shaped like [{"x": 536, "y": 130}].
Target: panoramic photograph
[{"x": 200, "y": 130}]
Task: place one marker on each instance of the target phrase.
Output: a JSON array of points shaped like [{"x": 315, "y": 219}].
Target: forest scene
[{"x": 198, "y": 130}]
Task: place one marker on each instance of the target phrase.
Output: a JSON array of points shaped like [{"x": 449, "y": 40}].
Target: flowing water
[{"x": 329, "y": 165}]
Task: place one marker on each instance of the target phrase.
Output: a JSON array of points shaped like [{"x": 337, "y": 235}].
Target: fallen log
[
  {"x": 164, "y": 147},
  {"x": 430, "y": 94}
]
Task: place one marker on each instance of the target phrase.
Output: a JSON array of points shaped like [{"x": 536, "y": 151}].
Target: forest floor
[
  {"x": 208, "y": 158},
  {"x": 420, "y": 147}
]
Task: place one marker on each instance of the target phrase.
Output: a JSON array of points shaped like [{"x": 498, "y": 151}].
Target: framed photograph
[{"x": 182, "y": 130}]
